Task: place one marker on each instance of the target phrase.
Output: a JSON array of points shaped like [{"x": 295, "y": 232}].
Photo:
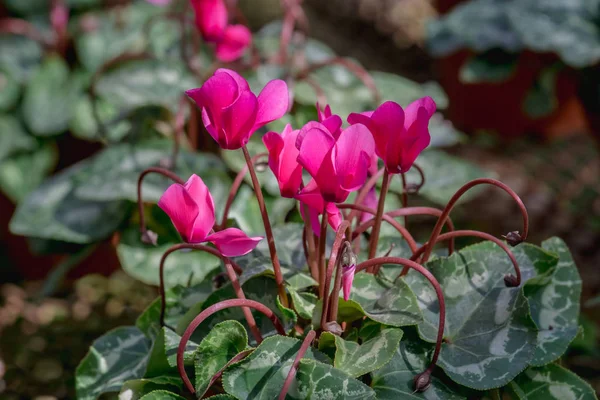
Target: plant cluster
[{"x": 340, "y": 298}]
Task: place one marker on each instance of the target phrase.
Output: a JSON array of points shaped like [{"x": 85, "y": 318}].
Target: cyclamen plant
[{"x": 360, "y": 308}]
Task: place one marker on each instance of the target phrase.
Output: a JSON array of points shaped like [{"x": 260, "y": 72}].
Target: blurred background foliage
[{"x": 517, "y": 85}]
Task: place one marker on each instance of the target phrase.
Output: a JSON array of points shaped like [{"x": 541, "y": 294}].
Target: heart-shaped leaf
[
  {"x": 554, "y": 302},
  {"x": 20, "y": 56},
  {"x": 163, "y": 356},
  {"x": 135, "y": 389},
  {"x": 551, "y": 382},
  {"x": 162, "y": 395},
  {"x": 489, "y": 334},
  {"x": 10, "y": 91},
  {"x": 224, "y": 341},
  {"x": 116, "y": 357},
  {"x": 359, "y": 359},
  {"x": 13, "y": 139}
]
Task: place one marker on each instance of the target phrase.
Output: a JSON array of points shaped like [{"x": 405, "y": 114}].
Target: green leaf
[
  {"x": 20, "y": 57},
  {"x": 163, "y": 356},
  {"x": 53, "y": 211},
  {"x": 304, "y": 303},
  {"x": 541, "y": 100},
  {"x": 554, "y": 303},
  {"x": 359, "y": 359},
  {"x": 178, "y": 301},
  {"x": 384, "y": 302},
  {"x": 162, "y": 395},
  {"x": 490, "y": 337},
  {"x": 22, "y": 173},
  {"x": 145, "y": 82},
  {"x": 261, "y": 374},
  {"x": 224, "y": 342},
  {"x": 395, "y": 380},
  {"x": 493, "y": 66},
  {"x": 116, "y": 357},
  {"x": 13, "y": 138},
  {"x": 85, "y": 126},
  {"x": 10, "y": 91},
  {"x": 136, "y": 388},
  {"x": 246, "y": 213},
  {"x": 221, "y": 397},
  {"x": 50, "y": 98},
  {"x": 551, "y": 382},
  {"x": 113, "y": 173},
  {"x": 142, "y": 262},
  {"x": 262, "y": 289},
  {"x": 444, "y": 174}
]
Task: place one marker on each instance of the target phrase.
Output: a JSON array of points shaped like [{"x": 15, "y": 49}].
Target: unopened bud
[
  {"x": 511, "y": 281},
  {"x": 513, "y": 238},
  {"x": 149, "y": 237},
  {"x": 334, "y": 327},
  {"x": 422, "y": 381}
]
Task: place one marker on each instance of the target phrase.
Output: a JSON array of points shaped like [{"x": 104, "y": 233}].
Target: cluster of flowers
[
  {"x": 338, "y": 159},
  {"x": 212, "y": 21}
]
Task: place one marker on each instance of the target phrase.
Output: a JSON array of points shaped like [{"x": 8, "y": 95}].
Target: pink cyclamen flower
[
  {"x": 333, "y": 122},
  {"x": 212, "y": 22},
  {"x": 59, "y": 17},
  {"x": 231, "y": 113},
  {"x": 282, "y": 160},
  {"x": 400, "y": 135},
  {"x": 192, "y": 211},
  {"x": 338, "y": 165}
]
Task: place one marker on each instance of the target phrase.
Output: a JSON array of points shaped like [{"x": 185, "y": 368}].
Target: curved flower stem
[
  {"x": 409, "y": 211},
  {"x": 294, "y": 15},
  {"x": 222, "y": 305},
  {"x": 294, "y": 368},
  {"x": 231, "y": 267},
  {"x": 268, "y": 230},
  {"x": 375, "y": 232},
  {"x": 415, "y": 188},
  {"x": 402, "y": 230},
  {"x": 334, "y": 297},
  {"x": 438, "y": 227},
  {"x": 308, "y": 239},
  {"x": 321, "y": 259},
  {"x": 343, "y": 229},
  {"x": 362, "y": 194},
  {"x": 147, "y": 237},
  {"x": 238, "y": 357},
  {"x": 440, "y": 296},
  {"x": 178, "y": 130},
  {"x": 351, "y": 66},
  {"x": 510, "y": 280},
  {"x": 237, "y": 182}
]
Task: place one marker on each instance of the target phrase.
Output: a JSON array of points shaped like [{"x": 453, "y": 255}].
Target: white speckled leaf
[
  {"x": 554, "y": 303},
  {"x": 551, "y": 382},
  {"x": 395, "y": 379},
  {"x": 116, "y": 357},
  {"x": 359, "y": 359},
  {"x": 490, "y": 335}
]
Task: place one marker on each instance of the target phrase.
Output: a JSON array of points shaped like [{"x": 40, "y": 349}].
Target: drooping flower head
[
  {"x": 231, "y": 113},
  {"x": 337, "y": 164},
  {"x": 400, "y": 135},
  {"x": 212, "y": 22},
  {"x": 192, "y": 211},
  {"x": 332, "y": 213},
  {"x": 282, "y": 160}
]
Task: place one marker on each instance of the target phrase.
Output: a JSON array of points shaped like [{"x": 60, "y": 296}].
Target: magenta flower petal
[
  {"x": 334, "y": 216},
  {"x": 313, "y": 216},
  {"x": 273, "y": 103},
  {"x": 234, "y": 42},
  {"x": 388, "y": 121},
  {"x": 352, "y": 156},
  {"x": 218, "y": 92},
  {"x": 419, "y": 110},
  {"x": 311, "y": 195},
  {"x": 179, "y": 205},
  {"x": 241, "y": 82},
  {"x": 314, "y": 143},
  {"x": 282, "y": 160},
  {"x": 347, "y": 278},
  {"x": 332, "y": 122},
  {"x": 211, "y": 18},
  {"x": 205, "y": 219},
  {"x": 238, "y": 119},
  {"x": 232, "y": 242}
]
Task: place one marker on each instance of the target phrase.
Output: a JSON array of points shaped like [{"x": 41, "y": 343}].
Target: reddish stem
[
  {"x": 335, "y": 251},
  {"x": 21, "y": 27},
  {"x": 161, "y": 288},
  {"x": 351, "y": 66},
  {"x": 237, "y": 182},
  {"x": 321, "y": 259},
  {"x": 207, "y": 313},
  {"x": 308, "y": 239},
  {"x": 438, "y": 226},
  {"x": 377, "y": 226},
  {"x": 409, "y": 211},
  {"x": 334, "y": 297},
  {"x": 294, "y": 368},
  {"x": 404, "y": 198},
  {"x": 146, "y": 237},
  {"x": 402, "y": 230},
  {"x": 438, "y": 290},
  {"x": 510, "y": 280},
  {"x": 268, "y": 231}
]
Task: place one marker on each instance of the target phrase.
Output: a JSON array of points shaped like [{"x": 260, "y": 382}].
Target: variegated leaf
[{"x": 551, "y": 382}]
